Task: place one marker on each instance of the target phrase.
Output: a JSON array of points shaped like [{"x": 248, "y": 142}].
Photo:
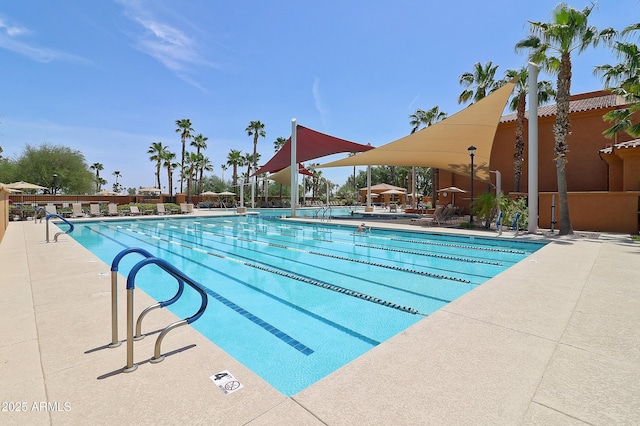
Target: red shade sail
[{"x": 310, "y": 145}]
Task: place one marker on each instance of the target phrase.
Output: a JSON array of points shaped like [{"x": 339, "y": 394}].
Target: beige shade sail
[{"x": 444, "y": 144}]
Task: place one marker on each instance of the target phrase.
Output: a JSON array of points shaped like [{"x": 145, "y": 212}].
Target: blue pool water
[{"x": 294, "y": 302}]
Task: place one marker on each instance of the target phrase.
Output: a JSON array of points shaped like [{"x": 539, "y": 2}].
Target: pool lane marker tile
[{"x": 226, "y": 382}]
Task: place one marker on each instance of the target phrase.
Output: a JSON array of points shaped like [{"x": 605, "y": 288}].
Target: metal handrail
[
  {"x": 170, "y": 269},
  {"x": 114, "y": 290},
  {"x": 55, "y": 237}
]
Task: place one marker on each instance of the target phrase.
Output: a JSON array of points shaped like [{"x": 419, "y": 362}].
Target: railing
[
  {"x": 171, "y": 270},
  {"x": 55, "y": 237},
  {"x": 114, "y": 291},
  {"x": 323, "y": 210}
]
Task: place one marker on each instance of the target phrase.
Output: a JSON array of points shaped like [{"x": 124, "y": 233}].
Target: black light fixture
[
  {"x": 55, "y": 183},
  {"x": 472, "y": 153}
]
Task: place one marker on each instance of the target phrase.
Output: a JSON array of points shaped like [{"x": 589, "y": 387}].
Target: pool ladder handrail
[
  {"x": 55, "y": 237},
  {"x": 182, "y": 279},
  {"x": 114, "y": 290},
  {"x": 323, "y": 210}
]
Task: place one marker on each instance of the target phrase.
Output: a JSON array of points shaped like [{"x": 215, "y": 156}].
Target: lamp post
[
  {"x": 55, "y": 184},
  {"x": 472, "y": 152}
]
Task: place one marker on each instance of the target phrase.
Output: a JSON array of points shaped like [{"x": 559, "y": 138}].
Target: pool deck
[{"x": 553, "y": 340}]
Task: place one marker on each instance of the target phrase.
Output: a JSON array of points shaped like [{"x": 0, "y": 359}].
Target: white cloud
[
  {"x": 9, "y": 35},
  {"x": 167, "y": 44},
  {"x": 318, "y": 101}
]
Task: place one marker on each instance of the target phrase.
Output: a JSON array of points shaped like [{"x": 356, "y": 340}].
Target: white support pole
[
  {"x": 253, "y": 193},
  {"x": 368, "y": 208},
  {"x": 533, "y": 148},
  {"x": 498, "y": 182},
  {"x": 294, "y": 167},
  {"x": 327, "y": 192}
]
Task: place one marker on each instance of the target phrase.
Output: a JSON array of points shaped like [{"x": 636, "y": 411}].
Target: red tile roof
[
  {"x": 622, "y": 145},
  {"x": 582, "y": 102}
]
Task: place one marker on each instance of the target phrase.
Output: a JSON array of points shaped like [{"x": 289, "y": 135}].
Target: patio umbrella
[
  {"x": 452, "y": 190},
  {"x": 393, "y": 192},
  {"x": 25, "y": 185},
  {"x": 107, "y": 192},
  {"x": 227, "y": 193},
  {"x": 209, "y": 193}
]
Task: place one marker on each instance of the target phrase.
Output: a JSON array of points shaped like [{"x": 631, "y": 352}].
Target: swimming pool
[{"x": 294, "y": 302}]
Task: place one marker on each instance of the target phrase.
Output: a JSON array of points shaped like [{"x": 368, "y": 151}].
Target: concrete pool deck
[{"x": 552, "y": 340}]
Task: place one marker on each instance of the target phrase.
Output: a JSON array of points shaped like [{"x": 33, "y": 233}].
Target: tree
[
  {"x": 623, "y": 79},
  {"x": 428, "y": 118},
  {"x": 184, "y": 128},
  {"x": 200, "y": 143},
  {"x": 158, "y": 152},
  {"x": 204, "y": 163},
  {"x": 568, "y": 31},
  {"x": 235, "y": 159},
  {"x": 519, "y": 103},
  {"x": 116, "y": 186},
  {"x": 97, "y": 167},
  {"x": 223, "y": 168},
  {"x": 277, "y": 146},
  {"x": 39, "y": 164},
  {"x": 255, "y": 129},
  {"x": 482, "y": 79},
  {"x": 167, "y": 161}
]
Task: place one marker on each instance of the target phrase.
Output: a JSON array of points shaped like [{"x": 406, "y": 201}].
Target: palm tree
[
  {"x": 184, "y": 128},
  {"x": 157, "y": 151},
  {"x": 235, "y": 159},
  {"x": 167, "y": 161},
  {"x": 428, "y": 118},
  {"x": 204, "y": 163},
  {"x": 200, "y": 142},
  {"x": 277, "y": 146},
  {"x": 116, "y": 185},
  {"x": 255, "y": 129},
  {"x": 519, "y": 103},
  {"x": 97, "y": 167},
  {"x": 623, "y": 79},
  {"x": 223, "y": 168},
  {"x": 568, "y": 31},
  {"x": 482, "y": 79}
]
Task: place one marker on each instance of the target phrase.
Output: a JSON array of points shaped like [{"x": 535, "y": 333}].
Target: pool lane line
[
  {"x": 257, "y": 320},
  {"x": 386, "y": 266},
  {"x": 307, "y": 280}
]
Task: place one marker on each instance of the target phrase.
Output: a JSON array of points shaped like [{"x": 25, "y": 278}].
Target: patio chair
[
  {"x": 134, "y": 211},
  {"x": 51, "y": 208},
  {"x": 77, "y": 210},
  {"x": 94, "y": 210},
  {"x": 186, "y": 208},
  {"x": 161, "y": 209},
  {"x": 113, "y": 209}
]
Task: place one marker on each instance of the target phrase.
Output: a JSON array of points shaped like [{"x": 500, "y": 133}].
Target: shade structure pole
[
  {"x": 368, "y": 187},
  {"x": 533, "y": 148},
  {"x": 241, "y": 192},
  {"x": 294, "y": 167},
  {"x": 414, "y": 194}
]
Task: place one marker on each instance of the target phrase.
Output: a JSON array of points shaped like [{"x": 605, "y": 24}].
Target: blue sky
[{"x": 108, "y": 78}]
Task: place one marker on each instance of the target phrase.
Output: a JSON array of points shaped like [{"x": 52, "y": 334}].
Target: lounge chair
[
  {"x": 77, "y": 210},
  {"x": 161, "y": 209},
  {"x": 134, "y": 211},
  {"x": 113, "y": 209},
  {"x": 51, "y": 208},
  {"x": 185, "y": 209},
  {"x": 94, "y": 210}
]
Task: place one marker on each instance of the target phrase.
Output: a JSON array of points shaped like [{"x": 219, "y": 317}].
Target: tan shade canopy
[{"x": 444, "y": 144}]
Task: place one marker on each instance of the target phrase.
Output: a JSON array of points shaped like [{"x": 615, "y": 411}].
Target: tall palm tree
[
  {"x": 97, "y": 167},
  {"x": 568, "y": 31},
  {"x": 428, "y": 118},
  {"x": 277, "y": 146},
  {"x": 167, "y": 161},
  {"x": 199, "y": 142},
  {"x": 184, "y": 128},
  {"x": 235, "y": 159},
  {"x": 519, "y": 103},
  {"x": 223, "y": 168},
  {"x": 157, "y": 151},
  {"x": 482, "y": 79},
  {"x": 204, "y": 164},
  {"x": 623, "y": 79},
  {"x": 116, "y": 185},
  {"x": 255, "y": 129}
]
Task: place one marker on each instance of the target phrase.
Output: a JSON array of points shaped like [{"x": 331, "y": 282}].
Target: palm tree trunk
[{"x": 560, "y": 131}]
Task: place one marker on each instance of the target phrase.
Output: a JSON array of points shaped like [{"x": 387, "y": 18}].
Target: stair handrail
[
  {"x": 55, "y": 237},
  {"x": 114, "y": 290},
  {"x": 172, "y": 270}
]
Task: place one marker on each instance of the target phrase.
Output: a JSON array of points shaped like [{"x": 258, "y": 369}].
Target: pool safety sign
[{"x": 226, "y": 382}]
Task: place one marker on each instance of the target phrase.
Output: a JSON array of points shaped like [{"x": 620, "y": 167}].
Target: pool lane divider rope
[{"x": 297, "y": 277}]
